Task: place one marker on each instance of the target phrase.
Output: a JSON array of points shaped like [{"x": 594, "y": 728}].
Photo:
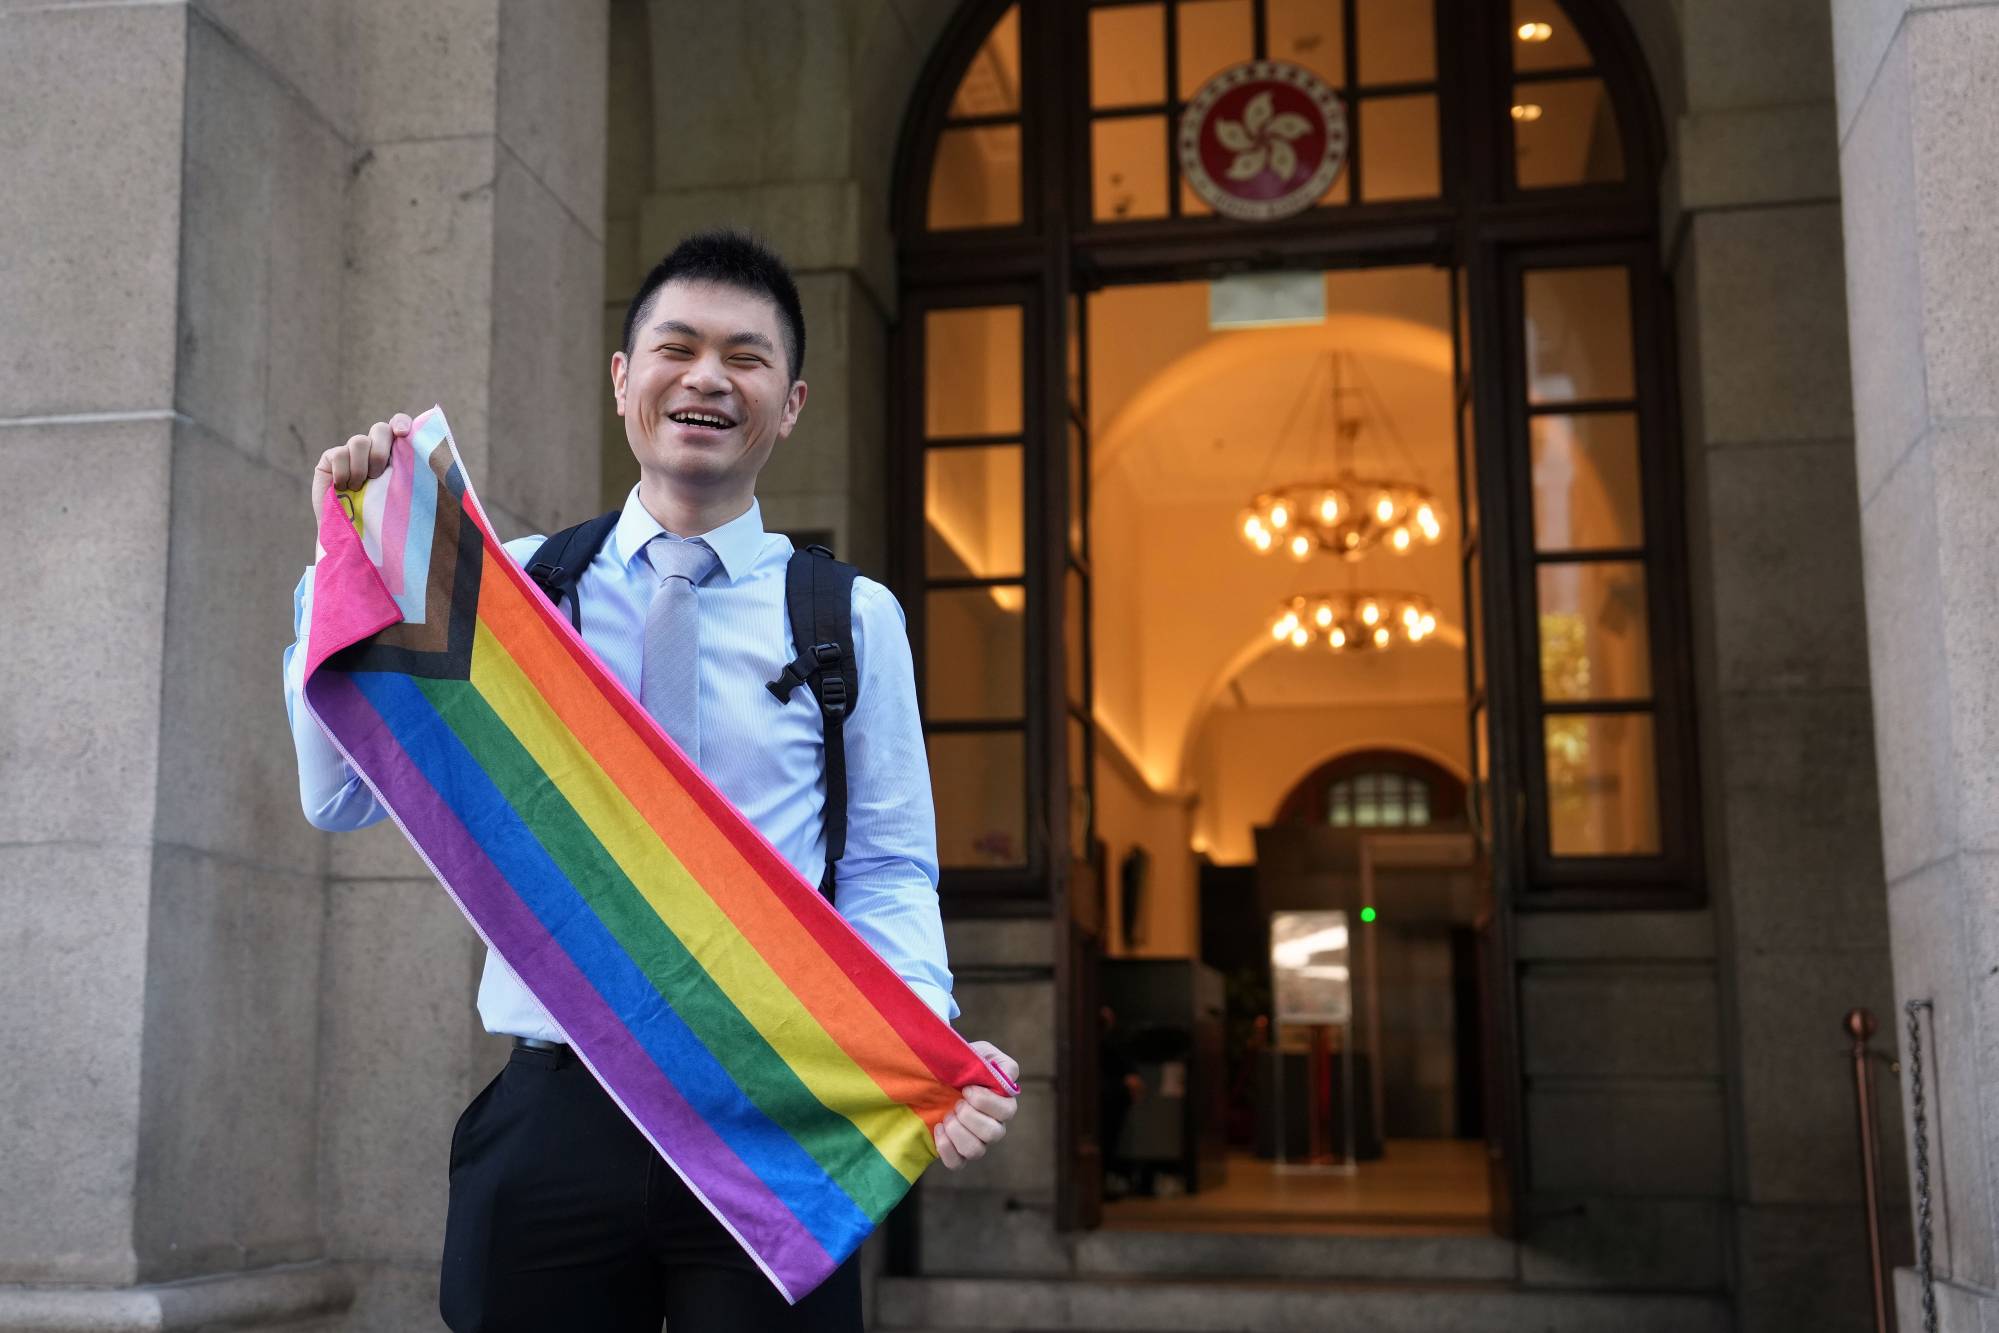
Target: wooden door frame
[{"x": 1482, "y": 222}]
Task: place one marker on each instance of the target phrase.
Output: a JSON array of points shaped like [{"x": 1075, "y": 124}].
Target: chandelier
[
  {"x": 1343, "y": 513},
  {"x": 1357, "y": 621}
]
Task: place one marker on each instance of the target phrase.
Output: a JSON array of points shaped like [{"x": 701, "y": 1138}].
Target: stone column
[
  {"x": 250, "y": 228},
  {"x": 1787, "y": 754},
  {"x": 474, "y": 251},
  {"x": 172, "y": 288},
  {"x": 1917, "y": 104},
  {"x": 806, "y": 166}
]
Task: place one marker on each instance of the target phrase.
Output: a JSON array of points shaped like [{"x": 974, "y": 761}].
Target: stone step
[
  {"x": 1306, "y": 1255},
  {"x": 1160, "y": 1305}
]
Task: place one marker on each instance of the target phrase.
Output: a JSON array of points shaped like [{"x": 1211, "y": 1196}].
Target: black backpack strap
[
  {"x": 558, "y": 565},
  {"x": 819, "y": 601}
]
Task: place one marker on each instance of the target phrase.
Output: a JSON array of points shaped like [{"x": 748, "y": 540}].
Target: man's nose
[{"x": 705, "y": 376}]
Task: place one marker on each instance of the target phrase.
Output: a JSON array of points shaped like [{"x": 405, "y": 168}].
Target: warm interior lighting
[
  {"x": 1342, "y": 512},
  {"x": 1534, "y": 32},
  {"x": 1526, "y": 110},
  {"x": 1358, "y": 620},
  {"x": 1301, "y": 951},
  {"x": 1009, "y": 599}
]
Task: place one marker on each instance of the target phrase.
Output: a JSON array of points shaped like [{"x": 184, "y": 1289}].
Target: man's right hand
[{"x": 346, "y": 466}]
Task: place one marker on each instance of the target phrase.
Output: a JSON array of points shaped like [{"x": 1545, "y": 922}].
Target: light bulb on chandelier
[
  {"x": 1346, "y": 514},
  {"x": 1362, "y": 621}
]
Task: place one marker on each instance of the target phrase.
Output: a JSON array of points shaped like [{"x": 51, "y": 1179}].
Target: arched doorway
[{"x": 1063, "y": 291}]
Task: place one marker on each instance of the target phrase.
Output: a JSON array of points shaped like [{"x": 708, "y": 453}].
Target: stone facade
[
  {"x": 236, "y": 1047},
  {"x": 1916, "y": 97}
]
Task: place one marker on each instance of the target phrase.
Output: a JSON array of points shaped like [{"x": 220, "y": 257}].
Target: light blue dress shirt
[{"x": 764, "y": 756}]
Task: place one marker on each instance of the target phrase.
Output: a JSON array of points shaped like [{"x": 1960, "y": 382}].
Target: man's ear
[
  {"x": 794, "y": 403},
  {"x": 619, "y": 366}
]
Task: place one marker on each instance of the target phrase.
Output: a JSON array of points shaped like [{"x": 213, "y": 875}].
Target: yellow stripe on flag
[{"x": 686, "y": 909}]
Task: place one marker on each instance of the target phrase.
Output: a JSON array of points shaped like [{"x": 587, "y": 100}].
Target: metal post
[{"x": 1859, "y": 1025}]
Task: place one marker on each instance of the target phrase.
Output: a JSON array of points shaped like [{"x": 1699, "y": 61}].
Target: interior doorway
[
  {"x": 1125, "y": 678},
  {"x": 1284, "y": 753}
]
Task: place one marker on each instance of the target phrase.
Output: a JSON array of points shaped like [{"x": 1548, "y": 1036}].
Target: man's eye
[{"x": 674, "y": 349}]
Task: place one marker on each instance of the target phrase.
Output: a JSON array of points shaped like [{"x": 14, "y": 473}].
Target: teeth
[{"x": 700, "y": 419}]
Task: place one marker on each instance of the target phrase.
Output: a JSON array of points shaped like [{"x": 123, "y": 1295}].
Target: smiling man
[{"x": 561, "y": 1214}]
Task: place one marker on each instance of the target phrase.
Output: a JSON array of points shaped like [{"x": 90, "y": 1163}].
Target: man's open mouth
[{"x": 705, "y": 420}]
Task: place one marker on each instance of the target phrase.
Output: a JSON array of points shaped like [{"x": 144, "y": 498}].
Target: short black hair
[{"x": 737, "y": 259}]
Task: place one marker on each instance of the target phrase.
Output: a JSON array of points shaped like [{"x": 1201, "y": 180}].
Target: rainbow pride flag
[{"x": 773, "y": 1059}]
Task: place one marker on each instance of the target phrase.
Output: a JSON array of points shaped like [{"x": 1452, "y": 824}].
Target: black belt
[{"x": 537, "y": 1044}]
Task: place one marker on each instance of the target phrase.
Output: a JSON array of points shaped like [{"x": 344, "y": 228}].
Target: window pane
[
  {"x": 1468, "y": 443},
  {"x": 1214, "y": 34},
  {"x": 975, "y": 179},
  {"x": 1080, "y": 814},
  {"x": 1603, "y": 787},
  {"x": 991, "y": 86},
  {"x": 1309, "y": 33},
  {"x": 1565, "y": 133},
  {"x": 978, "y": 782},
  {"x": 972, "y": 504},
  {"x": 1479, "y": 798},
  {"x": 1073, "y": 620},
  {"x": 1595, "y": 643},
  {"x": 1073, "y": 352},
  {"x": 975, "y": 655},
  {"x": 1128, "y": 55},
  {"x": 971, "y": 371},
  {"x": 1128, "y": 161},
  {"x": 1578, "y": 334},
  {"x": 1397, "y": 41},
  {"x": 1077, "y": 516},
  {"x": 1543, "y": 37},
  {"x": 1475, "y": 622},
  {"x": 1587, "y": 493},
  {"x": 1398, "y": 148}
]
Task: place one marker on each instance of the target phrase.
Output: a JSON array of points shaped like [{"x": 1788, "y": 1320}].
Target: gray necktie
[{"x": 668, "y": 678}]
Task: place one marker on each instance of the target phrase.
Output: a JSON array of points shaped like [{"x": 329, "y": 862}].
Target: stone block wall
[
  {"x": 1916, "y": 103},
  {"x": 239, "y": 1045},
  {"x": 1786, "y": 701}
]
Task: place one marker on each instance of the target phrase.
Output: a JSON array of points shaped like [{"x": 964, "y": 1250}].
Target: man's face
[{"x": 707, "y": 391}]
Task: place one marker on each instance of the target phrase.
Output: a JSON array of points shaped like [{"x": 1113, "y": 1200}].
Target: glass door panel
[
  {"x": 1596, "y": 762},
  {"x": 974, "y": 609}
]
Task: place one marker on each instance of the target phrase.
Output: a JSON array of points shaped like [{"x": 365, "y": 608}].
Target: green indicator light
[{"x": 1367, "y": 914}]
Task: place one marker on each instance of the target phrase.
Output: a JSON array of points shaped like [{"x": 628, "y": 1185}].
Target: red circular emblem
[{"x": 1263, "y": 140}]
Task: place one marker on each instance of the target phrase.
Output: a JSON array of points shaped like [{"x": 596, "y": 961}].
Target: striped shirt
[{"x": 765, "y": 757}]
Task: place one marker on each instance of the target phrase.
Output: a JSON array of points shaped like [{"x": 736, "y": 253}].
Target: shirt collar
[{"x": 736, "y": 543}]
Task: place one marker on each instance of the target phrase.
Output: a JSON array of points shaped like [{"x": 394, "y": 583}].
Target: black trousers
[{"x": 563, "y": 1218}]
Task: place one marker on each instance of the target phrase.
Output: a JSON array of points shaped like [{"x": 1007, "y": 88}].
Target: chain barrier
[{"x": 1914, "y": 1009}]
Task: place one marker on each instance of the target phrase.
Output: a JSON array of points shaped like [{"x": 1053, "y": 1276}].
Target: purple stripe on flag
[{"x": 732, "y": 1191}]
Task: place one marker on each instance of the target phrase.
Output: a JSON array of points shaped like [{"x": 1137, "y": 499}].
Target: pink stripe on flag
[{"x": 396, "y": 513}]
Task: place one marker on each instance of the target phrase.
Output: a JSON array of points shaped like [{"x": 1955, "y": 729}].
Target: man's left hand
[{"x": 978, "y": 1121}]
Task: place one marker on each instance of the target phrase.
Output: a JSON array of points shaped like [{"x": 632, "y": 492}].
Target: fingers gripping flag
[{"x": 773, "y": 1059}]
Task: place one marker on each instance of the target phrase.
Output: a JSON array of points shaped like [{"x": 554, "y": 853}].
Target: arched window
[
  {"x": 1514, "y": 143},
  {"x": 1376, "y": 789}
]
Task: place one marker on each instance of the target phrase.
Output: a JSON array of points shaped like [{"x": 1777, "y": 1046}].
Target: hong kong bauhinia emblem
[{"x": 1263, "y": 140}]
